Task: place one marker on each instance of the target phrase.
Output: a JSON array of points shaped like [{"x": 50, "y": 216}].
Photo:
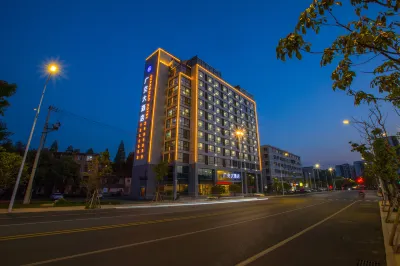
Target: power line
[{"x": 55, "y": 109}]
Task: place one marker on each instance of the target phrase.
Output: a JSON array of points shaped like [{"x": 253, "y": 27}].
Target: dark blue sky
[{"x": 103, "y": 45}]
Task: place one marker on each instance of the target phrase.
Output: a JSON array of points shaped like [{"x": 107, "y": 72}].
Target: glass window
[
  {"x": 218, "y": 140},
  {"x": 201, "y": 93},
  {"x": 200, "y": 134},
  {"x": 201, "y": 74},
  {"x": 210, "y": 127},
  {"x": 219, "y": 150},
  {"x": 201, "y": 102},
  {"x": 233, "y": 153},
  {"x": 227, "y": 152},
  {"x": 210, "y": 98},
  {"x": 201, "y": 83},
  {"x": 210, "y": 117},
  {"x": 211, "y": 148},
  {"x": 210, "y": 137},
  {"x": 217, "y": 101},
  {"x": 200, "y": 124},
  {"x": 200, "y": 146},
  {"x": 186, "y": 91},
  {"x": 218, "y": 129},
  {"x": 210, "y": 160},
  {"x": 201, "y": 113},
  {"x": 224, "y": 89},
  {"x": 217, "y": 110},
  {"x": 185, "y": 111},
  {"x": 209, "y": 79}
]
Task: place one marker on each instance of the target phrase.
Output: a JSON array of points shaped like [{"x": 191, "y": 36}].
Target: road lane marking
[
  {"x": 87, "y": 229},
  {"x": 93, "y": 218},
  {"x": 166, "y": 238},
  {"x": 108, "y": 217},
  {"x": 268, "y": 250}
]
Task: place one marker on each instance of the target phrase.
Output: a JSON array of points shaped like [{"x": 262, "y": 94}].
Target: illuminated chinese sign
[
  {"x": 228, "y": 176},
  {"x": 146, "y": 106}
]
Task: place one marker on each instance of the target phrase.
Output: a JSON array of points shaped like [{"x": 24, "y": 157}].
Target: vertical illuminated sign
[{"x": 146, "y": 106}]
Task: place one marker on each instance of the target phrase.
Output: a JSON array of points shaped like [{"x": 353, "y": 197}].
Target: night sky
[{"x": 103, "y": 45}]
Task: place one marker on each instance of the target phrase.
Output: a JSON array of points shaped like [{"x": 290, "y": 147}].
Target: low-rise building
[{"x": 278, "y": 163}]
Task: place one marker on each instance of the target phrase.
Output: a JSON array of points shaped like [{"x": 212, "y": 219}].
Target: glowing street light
[
  {"x": 239, "y": 133},
  {"x": 346, "y": 122},
  {"x": 51, "y": 69}
]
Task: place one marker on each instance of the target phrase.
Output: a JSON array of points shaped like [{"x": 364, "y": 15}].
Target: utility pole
[{"x": 46, "y": 129}]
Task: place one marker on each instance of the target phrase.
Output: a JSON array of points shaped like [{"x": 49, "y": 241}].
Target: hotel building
[{"x": 189, "y": 117}]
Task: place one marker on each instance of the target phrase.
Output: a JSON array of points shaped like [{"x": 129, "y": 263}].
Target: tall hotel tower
[{"x": 205, "y": 129}]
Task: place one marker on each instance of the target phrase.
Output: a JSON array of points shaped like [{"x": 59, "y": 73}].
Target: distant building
[
  {"x": 82, "y": 159},
  {"x": 344, "y": 170},
  {"x": 359, "y": 168},
  {"x": 277, "y": 162}
]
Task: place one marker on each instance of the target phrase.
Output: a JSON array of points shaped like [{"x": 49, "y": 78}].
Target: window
[
  {"x": 184, "y": 121},
  {"x": 169, "y": 145},
  {"x": 227, "y": 142},
  {"x": 170, "y": 134},
  {"x": 218, "y": 140},
  {"x": 172, "y": 91},
  {"x": 218, "y": 120},
  {"x": 200, "y": 135},
  {"x": 205, "y": 174},
  {"x": 185, "y": 100},
  {"x": 219, "y": 161},
  {"x": 224, "y": 89},
  {"x": 201, "y": 93},
  {"x": 225, "y": 97},
  {"x": 200, "y": 146},
  {"x": 225, "y": 114},
  {"x": 210, "y": 117},
  {"x": 210, "y": 98},
  {"x": 186, "y": 91},
  {"x": 210, "y": 148},
  {"x": 209, "y": 79},
  {"x": 201, "y": 159},
  {"x": 210, "y": 137},
  {"x": 233, "y": 153},
  {"x": 217, "y": 101},
  {"x": 210, "y": 127},
  {"x": 210, "y": 88},
  {"x": 210, "y": 107},
  {"x": 185, "y": 112},
  {"x": 217, "y": 110},
  {"x": 201, "y": 74},
  {"x": 183, "y": 145},
  {"x": 225, "y": 105},
  {"x": 171, "y": 112},
  {"x": 219, "y": 150},
  {"x": 218, "y": 129},
  {"x": 227, "y": 152},
  {"x": 172, "y": 101},
  {"x": 183, "y": 157},
  {"x": 200, "y": 124},
  {"x": 184, "y": 133},
  {"x": 201, "y": 83},
  {"x": 210, "y": 160},
  {"x": 201, "y": 113}
]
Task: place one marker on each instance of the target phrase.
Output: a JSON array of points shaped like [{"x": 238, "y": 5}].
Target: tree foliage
[
  {"x": 9, "y": 167},
  {"x": 120, "y": 157},
  {"x": 70, "y": 149},
  {"x": 160, "y": 170},
  {"x": 90, "y": 151},
  {"x": 364, "y": 39},
  {"x": 6, "y": 91},
  {"x": 54, "y": 146}
]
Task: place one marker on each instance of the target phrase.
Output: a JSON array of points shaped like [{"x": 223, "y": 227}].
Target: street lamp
[
  {"x": 346, "y": 122},
  {"x": 52, "y": 69},
  {"x": 283, "y": 190},
  {"x": 333, "y": 180},
  {"x": 317, "y": 166},
  {"x": 239, "y": 133}
]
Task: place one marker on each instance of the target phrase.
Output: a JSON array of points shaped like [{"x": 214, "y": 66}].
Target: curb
[{"x": 390, "y": 256}]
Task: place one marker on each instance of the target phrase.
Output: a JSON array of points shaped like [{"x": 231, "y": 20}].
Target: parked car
[{"x": 56, "y": 196}]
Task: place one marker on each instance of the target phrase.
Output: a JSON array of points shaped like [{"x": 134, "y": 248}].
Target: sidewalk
[{"x": 392, "y": 259}]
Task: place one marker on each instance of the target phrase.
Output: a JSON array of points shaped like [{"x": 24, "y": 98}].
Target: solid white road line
[
  {"x": 165, "y": 238},
  {"x": 268, "y": 250}
]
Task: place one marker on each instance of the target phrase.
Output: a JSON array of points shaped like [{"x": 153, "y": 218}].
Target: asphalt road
[{"x": 332, "y": 228}]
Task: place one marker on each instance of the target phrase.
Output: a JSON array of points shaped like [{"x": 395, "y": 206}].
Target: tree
[
  {"x": 70, "y": 149},
  {"x": 19, "y": 147},
  {"x": 55, "y": 174},
  {"x": 370, "y": 36},
  {"x": 9, "y": 167},
  {"x": 98, "y": 167},
  {"x": 54, "y": 146},
  {"x": 6, "y": 91},
  {"x": 218, "y": 190},
  {"x": 90, "y": 151},
  {"x": 160, "y": 170},
  {"x": 120, "y": 157}
]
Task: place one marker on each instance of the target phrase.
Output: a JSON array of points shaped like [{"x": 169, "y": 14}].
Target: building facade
[
  {"x": 344, "y": 170},
  {"x": 359, "y": 168},
  {"x": 189, "y": 117},
  {"x": 277, "y": 163}
]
